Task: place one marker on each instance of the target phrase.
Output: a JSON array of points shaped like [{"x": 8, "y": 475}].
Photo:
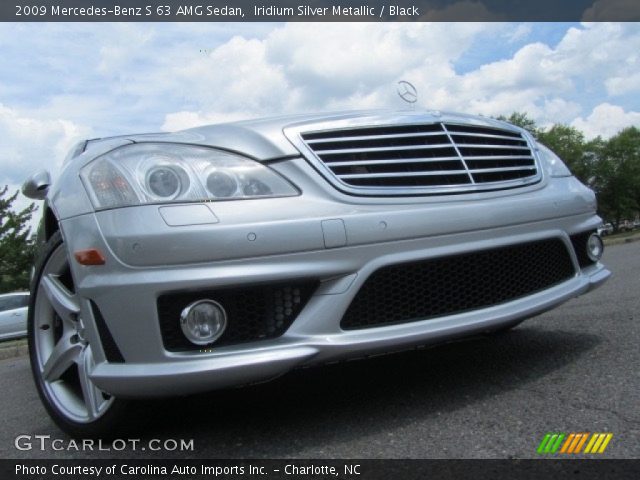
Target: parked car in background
[
  {"x": 13, "y": 315},
  {"x": 605, "y": 229},
  {"x": 625, "y": 226},
  {"x": 231, "y": 254}
]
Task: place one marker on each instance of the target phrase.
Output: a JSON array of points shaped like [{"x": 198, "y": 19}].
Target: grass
[
  {"x": 623, "y": 237},
  {"x": 13, "y": 343}
]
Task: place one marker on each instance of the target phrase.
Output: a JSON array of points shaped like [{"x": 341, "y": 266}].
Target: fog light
[
  {"x": 595, "y": 247},
  {"x": 203, "y": 322}
]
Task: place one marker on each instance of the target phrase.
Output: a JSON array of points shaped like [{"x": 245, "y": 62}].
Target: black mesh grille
[
  {"x": 579, "y": 242},
  {"x": 253, "y": 313},
  {"x": 444, "y": 286}
]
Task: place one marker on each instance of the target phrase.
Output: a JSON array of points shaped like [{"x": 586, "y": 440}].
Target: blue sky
[
  {"x": 487, "y": 50},
  {"x": 64, "y": 82}
]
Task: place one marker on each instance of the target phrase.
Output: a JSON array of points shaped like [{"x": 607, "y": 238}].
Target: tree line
[
  {"x": 17, "y": 247},
  {"x": 610, "y": 167}
]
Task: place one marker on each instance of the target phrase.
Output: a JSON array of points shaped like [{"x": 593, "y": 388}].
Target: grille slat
[
  {"x": 484, "y": 135},
  {"x": 378, "y": 130},
  {"x": 497, "y": 147},
  {"x": 434, "y": 157},
  {"x": 502, "y": 157},
  {"x": 375, "y": 137},
  {"x": 391, "y": 161},
  {"x": 438, "y": 287},
  {"x": 403, "y": 174},
  {"x": 465, "y": 129},
  {"x": 504, "y": 169},
  {"x": 382, "y": 149}
]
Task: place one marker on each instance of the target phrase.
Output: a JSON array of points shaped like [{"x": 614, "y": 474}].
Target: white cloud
[
  {"x": 28, "y": 144},
  {"x": 521, "y": 32},
  {"x": 303, "y": 66},
  {"x": 314, "y": 67},
  {"x": 623, "y": 85},
  {"x": 606, "y": 120}
]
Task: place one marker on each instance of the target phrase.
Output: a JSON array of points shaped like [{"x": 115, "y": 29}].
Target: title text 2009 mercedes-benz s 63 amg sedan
[{"x": 230, "y": 254}]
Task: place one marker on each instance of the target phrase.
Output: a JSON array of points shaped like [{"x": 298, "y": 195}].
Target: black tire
[{"x": 44, "y": 324}]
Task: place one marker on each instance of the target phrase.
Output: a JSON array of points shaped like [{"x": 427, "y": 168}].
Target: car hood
[{"x": 264, "y": 139}]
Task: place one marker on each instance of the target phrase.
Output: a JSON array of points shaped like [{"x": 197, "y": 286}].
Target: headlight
[
  {"x": 161, "y": 173},
  {"x": 555, "y": 167}
]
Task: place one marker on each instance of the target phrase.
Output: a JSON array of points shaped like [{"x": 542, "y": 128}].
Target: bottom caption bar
[{"x": 318, "y": 469}]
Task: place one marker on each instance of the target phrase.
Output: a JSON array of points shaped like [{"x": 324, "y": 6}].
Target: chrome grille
[{"x": 424, "y": 157}]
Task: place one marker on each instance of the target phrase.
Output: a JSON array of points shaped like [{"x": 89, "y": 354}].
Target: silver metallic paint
[{"x": 267, "y": 240}]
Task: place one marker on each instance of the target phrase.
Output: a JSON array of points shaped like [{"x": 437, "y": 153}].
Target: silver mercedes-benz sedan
[{"x": 230, "y": 254}]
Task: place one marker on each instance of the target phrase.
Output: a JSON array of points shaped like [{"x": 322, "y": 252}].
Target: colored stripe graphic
[
  {"x": 573, "y": 443},
  {"x": 594, "y": 437},
  {"x": 581, "y": 443},
  {"x": 556, "y": 445},
  {"x": 568, "y": 442},
  {"x": 607, "y": 439},
  {"x": 543, "y": 443},
  {"x": 598, "y": 443},
  {"x": 550, "y": 443}
]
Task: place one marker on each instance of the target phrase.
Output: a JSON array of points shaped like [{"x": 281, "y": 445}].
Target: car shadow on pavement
[{"x": 337, "y": 403}]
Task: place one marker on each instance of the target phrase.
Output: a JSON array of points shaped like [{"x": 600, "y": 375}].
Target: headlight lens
[
  {"x": 554, "y": 165},
  {"x": 161, "y": 173}
]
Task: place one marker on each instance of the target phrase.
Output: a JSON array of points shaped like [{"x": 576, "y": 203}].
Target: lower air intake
[
  {"x": 253, "y": 313},
  {"x": 444, "y": 286}
]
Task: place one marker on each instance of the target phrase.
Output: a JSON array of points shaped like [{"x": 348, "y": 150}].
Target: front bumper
[
  {"x": 338, "y": 244},
  {"x": 256, "y": 364}
]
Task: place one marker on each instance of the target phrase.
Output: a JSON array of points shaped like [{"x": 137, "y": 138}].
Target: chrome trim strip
[
  {"x": 466, "y": 167},
  {"x": 505, "y": 157},
  {"x": 486, "y": 135},
  {"x": 377, "y": 137},
  {"x": 500, "y": 147},
  {"x": 505, "y": 169},
  {"x": 354, "y": 163},
  {"x": 439, "y": 173},
  {"x": 384, "y": 149}
]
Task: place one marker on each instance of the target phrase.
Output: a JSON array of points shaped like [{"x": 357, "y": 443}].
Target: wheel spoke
[
  {"x": 63, "y": 302},
  {"x": 63, "y": 355},
  {"x": 92, "y": 395}
]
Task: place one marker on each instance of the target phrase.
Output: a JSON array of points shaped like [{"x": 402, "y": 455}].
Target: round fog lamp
[
  {"x": 203, "y": 322},
  {"x": 595, "y": 247}
]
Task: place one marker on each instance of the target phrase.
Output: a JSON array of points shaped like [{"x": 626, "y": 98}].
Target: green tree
[
  {"x": 17, "y": 249},
  {"x": 521, "y": 119},
  {"x": 617, "y": 175},
  {"x": 569, "y": 144}
]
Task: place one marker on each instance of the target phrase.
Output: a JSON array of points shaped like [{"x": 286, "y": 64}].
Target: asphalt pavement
[{"x": 574, "y": 369}]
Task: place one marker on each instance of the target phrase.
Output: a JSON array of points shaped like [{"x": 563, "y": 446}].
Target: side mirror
[{"x": 37, "y": 185}]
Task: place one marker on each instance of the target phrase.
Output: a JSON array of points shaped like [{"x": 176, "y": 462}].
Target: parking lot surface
[{"x": 574, "y": 369}]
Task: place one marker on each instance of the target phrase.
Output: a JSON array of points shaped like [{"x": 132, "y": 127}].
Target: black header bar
[{"x": 318, "y": 10}]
